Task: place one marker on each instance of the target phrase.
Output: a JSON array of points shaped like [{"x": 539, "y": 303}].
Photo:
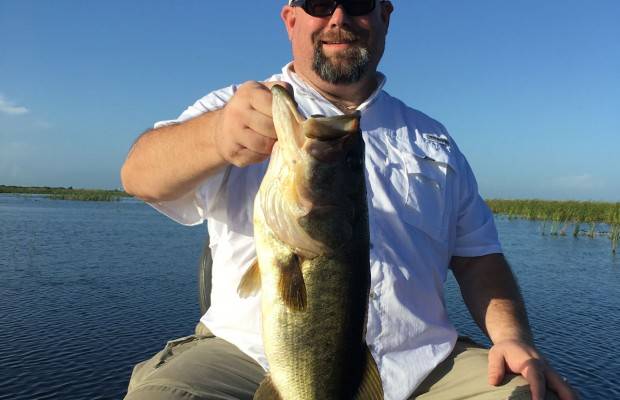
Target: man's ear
[
  {"x": 386, "y": 9},
  {"x": 288, "y": 16}
]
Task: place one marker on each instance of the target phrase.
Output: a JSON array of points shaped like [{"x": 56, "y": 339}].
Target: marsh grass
[
  {"x": 61, "y": 193},
  {"x": 597, "y": 218}
]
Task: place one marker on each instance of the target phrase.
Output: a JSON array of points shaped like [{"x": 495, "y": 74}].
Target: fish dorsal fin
[
  {"x": 250, "y": 282},
  {"x": 371, "y": 387},
  {"x": 267, "y": 390},
  {"x": 292, "y": 286}
]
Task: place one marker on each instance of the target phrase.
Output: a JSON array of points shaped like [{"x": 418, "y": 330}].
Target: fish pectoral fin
[
  {"x": 250, "y": 281},
  {"x": 292, "y": 286},
  {"x": 267, "y": 390},
  {"x": 371, "y": 387}
]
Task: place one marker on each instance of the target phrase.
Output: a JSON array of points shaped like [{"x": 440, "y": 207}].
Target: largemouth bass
[{"x": 312, "y": 243}]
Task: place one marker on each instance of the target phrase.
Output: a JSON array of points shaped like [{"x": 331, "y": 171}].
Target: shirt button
[{"x": 373, "y": 295}]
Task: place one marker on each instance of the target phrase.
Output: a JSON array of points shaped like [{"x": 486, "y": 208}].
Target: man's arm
[
  {"x": 169, "y": 162},
  {"x": 492, "y": 295}
]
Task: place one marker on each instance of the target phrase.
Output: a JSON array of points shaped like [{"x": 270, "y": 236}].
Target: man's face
[{"x": 340, "y": 49}]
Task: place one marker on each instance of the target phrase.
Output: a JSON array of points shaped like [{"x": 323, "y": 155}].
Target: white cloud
[{"x": 8, "y": 107}]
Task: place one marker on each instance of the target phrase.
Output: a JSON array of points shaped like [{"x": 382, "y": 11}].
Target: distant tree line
[{"x": 66, "y": 193}]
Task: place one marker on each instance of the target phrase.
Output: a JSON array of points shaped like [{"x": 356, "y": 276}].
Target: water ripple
[{"x": 90, "y": 289}]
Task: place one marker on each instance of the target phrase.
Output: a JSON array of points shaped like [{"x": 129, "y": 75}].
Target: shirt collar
[{"x": 301, "y": 87}]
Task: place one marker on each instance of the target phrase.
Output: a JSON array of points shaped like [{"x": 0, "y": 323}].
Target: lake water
[{"x": 87, "y": 290}]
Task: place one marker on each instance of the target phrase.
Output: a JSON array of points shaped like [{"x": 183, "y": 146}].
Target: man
[{"x": 425, "y": 216}]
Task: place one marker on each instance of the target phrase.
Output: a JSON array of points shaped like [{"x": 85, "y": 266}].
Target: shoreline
[{"x": 66, "y": 193}]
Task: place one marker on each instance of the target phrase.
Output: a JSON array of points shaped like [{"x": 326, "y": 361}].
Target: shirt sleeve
[
  {"x": 476, "y": 234},
  {"x": 198, "y": 205}
]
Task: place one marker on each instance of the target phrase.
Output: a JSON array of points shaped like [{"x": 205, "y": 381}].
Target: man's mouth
[
  {"x": 337, "y": 41},
  {"x": 338, "y": 38},
  {"x": 338, "y": 44}
]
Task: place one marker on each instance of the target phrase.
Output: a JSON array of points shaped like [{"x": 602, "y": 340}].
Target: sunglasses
[{"x": 325, "y": 8}]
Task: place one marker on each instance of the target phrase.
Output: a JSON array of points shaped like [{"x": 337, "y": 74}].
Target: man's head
[{"x": 340, "y": 42}]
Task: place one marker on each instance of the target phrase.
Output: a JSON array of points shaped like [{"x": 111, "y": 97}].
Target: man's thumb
[{"x": 285, "y": 85}]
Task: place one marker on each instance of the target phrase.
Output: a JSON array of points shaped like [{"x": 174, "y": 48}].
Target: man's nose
[{"x": 339, "y": 17}]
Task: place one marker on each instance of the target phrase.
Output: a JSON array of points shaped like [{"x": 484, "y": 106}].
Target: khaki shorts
[{"x": 202, "y": 366}]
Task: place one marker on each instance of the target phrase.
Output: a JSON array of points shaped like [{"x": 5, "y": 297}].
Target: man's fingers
[
  {"x": 261, "y": 97},
  {"x": 262, "y": 125},
  {"x": 242, "y": 156},
  {"x": 534, "y": 375},
  {"x": 246, "y": 133},
  {"x": 497, "y": 368},
  {"x": 560, "y": 386},
  {"x": 521, "y": 358},
  {"x": 256, "y": 142}
]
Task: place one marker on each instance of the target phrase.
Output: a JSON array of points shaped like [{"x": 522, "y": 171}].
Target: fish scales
[{"x": 312, "y": 242}]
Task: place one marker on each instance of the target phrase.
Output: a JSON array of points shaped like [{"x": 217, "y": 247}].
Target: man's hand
[
  {"x": 493, "y": 298},
  {"x": 245, "y": 133},
  {"x": 521, "y": 358},
  {"x": 171, "y": 161}
]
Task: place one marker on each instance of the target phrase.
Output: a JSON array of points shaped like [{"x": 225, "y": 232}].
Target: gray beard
[{"x": 349, "y": 67}]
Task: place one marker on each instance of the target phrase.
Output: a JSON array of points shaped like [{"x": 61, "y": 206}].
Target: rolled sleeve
[
  {"x": 476, "y": 234},
  {"x": 196, "y": 206}
]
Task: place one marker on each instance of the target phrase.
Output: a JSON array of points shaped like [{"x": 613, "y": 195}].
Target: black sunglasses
[{"x": 325, "y": 8}]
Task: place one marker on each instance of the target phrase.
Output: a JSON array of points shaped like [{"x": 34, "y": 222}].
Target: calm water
[{"x": 87, "y": 290}]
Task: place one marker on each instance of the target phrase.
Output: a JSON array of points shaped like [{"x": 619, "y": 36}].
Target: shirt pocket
[{"x": 425, "y": 204}]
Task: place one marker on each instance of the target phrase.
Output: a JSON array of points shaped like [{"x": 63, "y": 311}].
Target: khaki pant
[{"x": 202, "y": 366}]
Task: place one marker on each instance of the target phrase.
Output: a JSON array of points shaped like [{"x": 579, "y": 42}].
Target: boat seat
[{"x": 205, "y": 272}]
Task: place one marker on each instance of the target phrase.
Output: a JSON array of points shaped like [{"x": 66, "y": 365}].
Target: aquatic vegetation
[
  {"x": 596, "y": 218},
  {"x": 86, "y": 195},
  {"x": 61, "y": 193}
]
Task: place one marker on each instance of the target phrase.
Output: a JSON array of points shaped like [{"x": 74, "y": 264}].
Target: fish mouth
[
  {"x": 293, "y": 129},
  {"x": 331, "y": 128}
]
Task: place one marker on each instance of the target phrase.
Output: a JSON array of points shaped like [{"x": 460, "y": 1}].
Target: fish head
[{"x": 318, "y": 166}]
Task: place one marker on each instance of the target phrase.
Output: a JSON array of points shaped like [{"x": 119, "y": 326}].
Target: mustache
[{"x": 336, "y": 35}]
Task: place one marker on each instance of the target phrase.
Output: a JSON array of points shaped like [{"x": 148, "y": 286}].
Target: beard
[{"x": 345, "y": 67}]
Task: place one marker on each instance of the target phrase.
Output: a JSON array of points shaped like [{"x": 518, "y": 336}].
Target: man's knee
[
  {"x": 196, "y": 367},
  {"x": 464, "y": 374}
]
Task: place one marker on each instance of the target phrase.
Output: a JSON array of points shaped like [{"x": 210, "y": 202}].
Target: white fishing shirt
[{"x": 423, "y": 207}]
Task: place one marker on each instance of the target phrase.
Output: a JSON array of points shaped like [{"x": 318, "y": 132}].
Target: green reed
[
  {"x": 86, "y": 195},
  {"x": 561, "y": 215}
]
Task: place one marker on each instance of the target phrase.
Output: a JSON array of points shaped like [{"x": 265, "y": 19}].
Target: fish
[{"x": 312, "y": 270}]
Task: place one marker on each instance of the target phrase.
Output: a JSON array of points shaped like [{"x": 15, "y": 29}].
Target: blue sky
[{"x": 530, "y": 90}]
